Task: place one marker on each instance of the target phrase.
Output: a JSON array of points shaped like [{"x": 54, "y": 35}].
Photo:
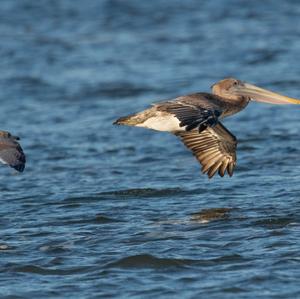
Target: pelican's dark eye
[{"x": 235, "y": 83}]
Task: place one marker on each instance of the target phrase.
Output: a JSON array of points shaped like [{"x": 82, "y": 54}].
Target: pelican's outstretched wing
[
  {"x": 11, "y": 152},
  {"x": 193, "y": 111},
  {"x": 214, "y": 148}
]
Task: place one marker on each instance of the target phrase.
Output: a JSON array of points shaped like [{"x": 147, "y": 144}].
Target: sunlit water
[{"x": 105, "y": 211}]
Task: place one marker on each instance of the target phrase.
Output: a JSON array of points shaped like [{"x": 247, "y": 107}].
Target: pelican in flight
[
  {"x": 11, "y": 152},
  {"x": 195, "y": 118}
]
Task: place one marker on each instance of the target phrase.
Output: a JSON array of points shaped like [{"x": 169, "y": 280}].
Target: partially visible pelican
[
  {"x": 195, "y": 118},
  {"x": 11, "y": 152}
]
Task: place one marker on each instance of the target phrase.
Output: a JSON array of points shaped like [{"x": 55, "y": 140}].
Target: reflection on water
[
  {"x": 104, "y": 211},
  {"x": 208, "y": 215}
]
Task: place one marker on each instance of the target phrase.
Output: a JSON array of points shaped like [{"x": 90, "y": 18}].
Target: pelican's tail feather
[{"x": 130, "y": 120}]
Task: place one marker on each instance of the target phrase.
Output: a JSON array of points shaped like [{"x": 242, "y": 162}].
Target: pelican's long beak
[{"x": 262, "y": 95}]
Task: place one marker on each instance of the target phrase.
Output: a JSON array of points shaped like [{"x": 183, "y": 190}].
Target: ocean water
[{"x": 118, "y": 212}]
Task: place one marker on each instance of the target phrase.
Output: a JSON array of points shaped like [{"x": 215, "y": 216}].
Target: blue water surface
[{"x": 107, "y": 212}]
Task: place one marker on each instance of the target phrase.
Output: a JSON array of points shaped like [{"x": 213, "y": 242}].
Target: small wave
[
  {"x": 46, "y": 271},
  {"x": 228, "y": 259},
  {"x": 28, "y": 81},
  {"x": 116, "y": 149},
  {"x": 54, "y": 248},
  {"x": 149, "y": 261},
  {"x": 79, "y": 199},
  {"x": 98, "y": 219},
  {"x": 144, "y": 192},
  {"x": 233, "y": 290},
  {"x": 274, "y": 222}
]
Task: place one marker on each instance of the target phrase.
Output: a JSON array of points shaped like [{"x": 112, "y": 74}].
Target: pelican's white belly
[{"x": 168, "y": 123}]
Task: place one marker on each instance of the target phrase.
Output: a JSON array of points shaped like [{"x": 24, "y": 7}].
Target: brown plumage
[
  {"x": 196, "y": 118},
  {"x": 11, "y": 152},
  {"x": 214, "y": 148}
]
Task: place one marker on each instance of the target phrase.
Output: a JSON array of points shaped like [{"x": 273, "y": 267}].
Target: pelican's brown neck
[{"x": 235, "y": 105}]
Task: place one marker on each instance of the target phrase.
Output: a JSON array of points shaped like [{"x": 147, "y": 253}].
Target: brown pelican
[
  {"x": 195, "y": 118},
  {"x": 11, "y": 152}
]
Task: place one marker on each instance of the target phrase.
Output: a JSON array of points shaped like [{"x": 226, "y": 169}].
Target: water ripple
[
  {"x": 47, "y": 271},
  {"x": 145, "y": 192},
  {"x": 149, "y": 261}
]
